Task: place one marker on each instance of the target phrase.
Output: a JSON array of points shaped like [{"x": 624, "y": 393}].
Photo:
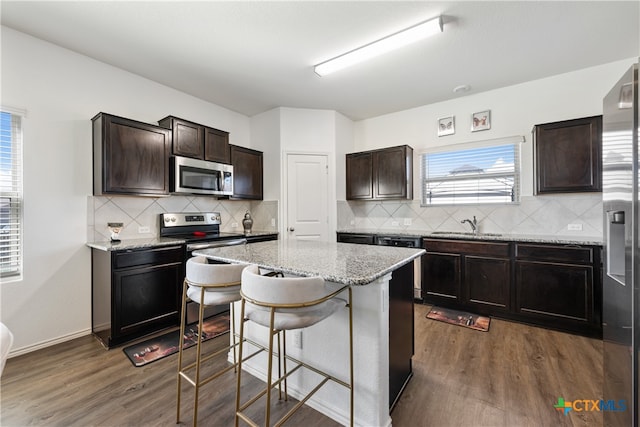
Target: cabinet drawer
[
  {"x": 467, "y": 247},
  {"x": 572, "y": 254},
  {"x": 156, "y": 256},
  {"x": 362, "y": 239}
]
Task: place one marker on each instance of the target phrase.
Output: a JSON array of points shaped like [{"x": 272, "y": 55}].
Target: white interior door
[{"x": 307, "y": 196}]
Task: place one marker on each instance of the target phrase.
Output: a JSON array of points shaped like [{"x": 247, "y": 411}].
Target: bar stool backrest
[
  {"x": 281, "y": 290},
  {"x": 200, "y": 273}
]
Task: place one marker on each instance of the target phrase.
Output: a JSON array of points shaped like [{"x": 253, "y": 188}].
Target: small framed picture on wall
[
  {"x": 481, "y": 121},
  {"x": 446, "y": 126}
]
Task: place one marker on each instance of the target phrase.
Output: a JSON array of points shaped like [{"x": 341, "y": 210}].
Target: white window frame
[
  {"x": 11, "y": 269},
  {"x": 424, "y": 180}
]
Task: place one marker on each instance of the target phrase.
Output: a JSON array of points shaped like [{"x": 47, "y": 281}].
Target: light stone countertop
[
  {"x": 127, "y": 244},
  {"x": 503, "y": 237},
  {"x": 345, "y": 263}
]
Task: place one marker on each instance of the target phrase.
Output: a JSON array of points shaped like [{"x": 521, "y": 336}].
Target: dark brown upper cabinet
[
  {"x": 567, "y": 156},
  {"x": 359, "y": 176},
  {"x": 130, "y": 157},
  {"x": 216, "y": 145},
  {"x": 197, "y": 141},
  {"x": 247, "y": 173},
  {"x": 380, "y": 174}
]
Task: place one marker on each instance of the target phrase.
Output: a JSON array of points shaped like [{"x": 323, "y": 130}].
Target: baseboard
[{"x": 44, "y": 344}]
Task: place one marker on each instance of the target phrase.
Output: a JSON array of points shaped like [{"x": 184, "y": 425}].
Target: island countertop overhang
[{"x": 344, "y": 263}]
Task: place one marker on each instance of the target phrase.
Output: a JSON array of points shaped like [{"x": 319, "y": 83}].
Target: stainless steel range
[{"x": 201, "y": 230}]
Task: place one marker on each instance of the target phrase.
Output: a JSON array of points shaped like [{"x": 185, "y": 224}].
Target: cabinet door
[
  {"x": 359, "y": 176},
  {"x": 568, "y": 156},
  {"x": 188, "y": 139},
  {"x": 145, "y": 299},
  {"x": 216, "y": 145},
  {"x": 247, "y": 173},
  {"x": 562, "y": 292},
  {"x": 488, "y": 282},
  {"x": 441, "y": 280},
  {"x": 130, "y": 157},
  {"x": 392, "y": 173}
]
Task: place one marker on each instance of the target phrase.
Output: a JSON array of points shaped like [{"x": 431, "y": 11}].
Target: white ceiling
[{"x": 254, "y": 56}]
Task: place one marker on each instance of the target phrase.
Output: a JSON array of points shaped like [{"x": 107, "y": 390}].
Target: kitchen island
[{"x": 381, "y": 279}]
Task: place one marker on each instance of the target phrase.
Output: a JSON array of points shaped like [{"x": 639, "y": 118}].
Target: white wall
[
  {"x": 514, "y": 111},
  {"x": 61, "y": 92},
  {"x": 344, "y": 145},
  {"x": 265, "y": 136}
]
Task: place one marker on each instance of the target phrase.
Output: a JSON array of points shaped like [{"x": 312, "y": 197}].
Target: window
[
  {"x": 480, "y": 173},
  {"x": 10, "y": 194}
]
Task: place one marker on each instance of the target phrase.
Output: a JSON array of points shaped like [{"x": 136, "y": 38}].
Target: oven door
[{"x": 195, "y": 176}]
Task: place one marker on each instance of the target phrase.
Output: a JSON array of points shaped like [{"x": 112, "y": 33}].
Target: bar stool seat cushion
[
  {"x": 199, "y": 272},
  {"x": 287, "y": 290}
]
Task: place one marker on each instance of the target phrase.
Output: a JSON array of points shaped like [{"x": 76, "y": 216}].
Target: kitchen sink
[{"x": 466, "y": 233}]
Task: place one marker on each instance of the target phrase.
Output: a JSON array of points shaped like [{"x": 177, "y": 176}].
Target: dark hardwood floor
[{"x": 509, "y": 376}]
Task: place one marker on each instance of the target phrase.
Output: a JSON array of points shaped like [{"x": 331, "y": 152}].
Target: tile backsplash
[
  {"x": 136, "y": 212},
  {"x": 538, "y": 215}
]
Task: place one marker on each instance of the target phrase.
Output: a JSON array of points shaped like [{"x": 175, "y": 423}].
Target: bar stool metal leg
[{"x": 180, "y": 348}]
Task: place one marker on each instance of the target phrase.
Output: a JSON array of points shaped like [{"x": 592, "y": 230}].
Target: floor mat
[
  {"x": 161, "y": 346},
  {"x": 460, "y": 318}
]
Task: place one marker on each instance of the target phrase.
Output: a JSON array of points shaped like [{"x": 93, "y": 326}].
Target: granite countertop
[
  {"x": 127, "y": 244},
  {"x": 344, "y": 263},
  {"x": 508, "y": 237}
]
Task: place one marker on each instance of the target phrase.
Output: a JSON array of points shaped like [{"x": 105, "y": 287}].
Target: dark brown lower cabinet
[
  {"x": 467, "y": 273},
  {"x": 135, "y": 292},
  {"x": 550, "y": 285},
  {"x": 559, "y": 286},
  {"x": 442, "y": 277},
  {"x": 487, "y": 283},
  {"x": 401, "y": 331}
]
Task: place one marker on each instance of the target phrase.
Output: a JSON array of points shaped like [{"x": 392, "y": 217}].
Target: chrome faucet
[{"x": 473, "y": 224}]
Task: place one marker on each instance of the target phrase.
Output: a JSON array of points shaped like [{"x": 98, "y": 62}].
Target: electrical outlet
[
  {"x": 395, "y": 223},
  {"x": 297, "y": 339},
  {"x": 574, "y": 227},
  {"x": 273, "y": 222},
  {"x": 407, "y": 221},
  {"x": 144, "y": 230},
  {"x": 234, "y": 225}
]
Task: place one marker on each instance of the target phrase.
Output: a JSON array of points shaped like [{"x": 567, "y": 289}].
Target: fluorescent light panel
[{"x": 384, "y": 45}]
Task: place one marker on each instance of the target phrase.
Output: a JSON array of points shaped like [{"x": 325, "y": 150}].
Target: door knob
[{"x": 292, "y": 229}]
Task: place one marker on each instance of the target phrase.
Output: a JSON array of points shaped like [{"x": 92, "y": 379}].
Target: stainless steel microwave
[{"x": 195, "y": 176}]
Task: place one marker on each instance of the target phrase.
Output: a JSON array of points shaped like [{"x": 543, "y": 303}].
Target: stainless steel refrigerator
[{"x": 621, "y": 278}]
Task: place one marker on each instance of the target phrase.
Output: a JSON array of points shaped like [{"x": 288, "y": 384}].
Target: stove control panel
[{"x": 190, "y": 218}]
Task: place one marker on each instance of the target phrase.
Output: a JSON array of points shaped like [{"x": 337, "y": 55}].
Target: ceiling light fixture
[{"x": 384, "y": 45}]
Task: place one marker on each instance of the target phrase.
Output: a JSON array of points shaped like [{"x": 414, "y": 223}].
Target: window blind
[
  {"x": 10, "y": 194},
  {"x": 472, "y": 175}
]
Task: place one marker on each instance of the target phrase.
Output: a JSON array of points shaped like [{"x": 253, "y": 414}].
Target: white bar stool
[
  {"x": 285, "y": 303},
  {"x": 206, "y": 284}
]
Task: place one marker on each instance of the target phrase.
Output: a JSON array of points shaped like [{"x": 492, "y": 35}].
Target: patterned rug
[
  {"x": 460, "y": 318},
  {"x": 161, "y": 346}
]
